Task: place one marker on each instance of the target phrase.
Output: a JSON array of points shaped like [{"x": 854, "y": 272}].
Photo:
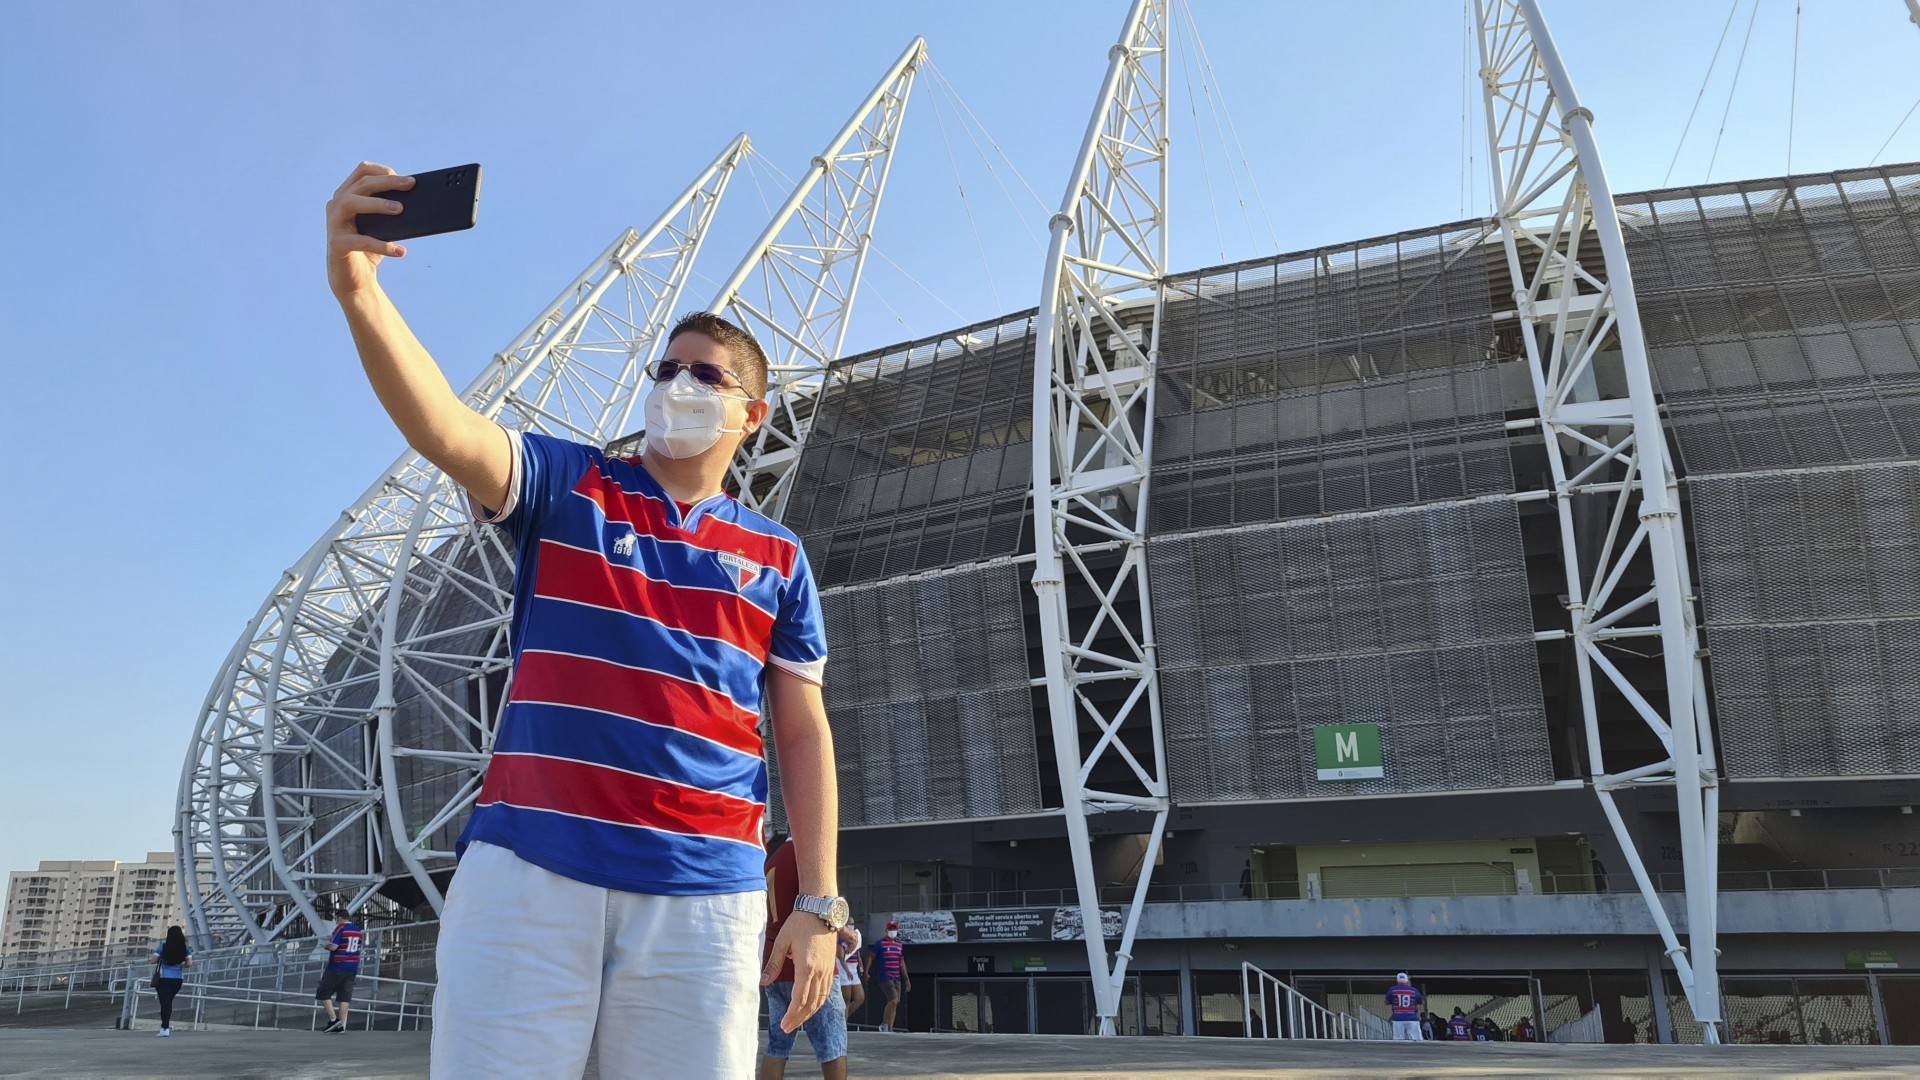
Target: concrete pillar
[{"x": 1187, "y": 1004}]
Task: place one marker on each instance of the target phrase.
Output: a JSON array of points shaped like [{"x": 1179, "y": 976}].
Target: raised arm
[{"x": 468, "y": 447}]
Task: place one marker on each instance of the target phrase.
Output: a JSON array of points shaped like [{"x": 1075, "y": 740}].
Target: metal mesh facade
[
  {"x": 1342, "y": 379},
  {"x": 920, "y": 456},
  {"x": 1812, "y": 592},
  {"x": 1416, "y": 621},
  {"x": 927, "y": 693},
  {"x": 1357, "y": 379},
  {"x": 1783, "y": 322}
]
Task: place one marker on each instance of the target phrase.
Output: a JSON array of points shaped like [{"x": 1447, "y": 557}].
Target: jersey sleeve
[
  {"x": 544, "y": 470},
  {"x": 799, "y": 637}
]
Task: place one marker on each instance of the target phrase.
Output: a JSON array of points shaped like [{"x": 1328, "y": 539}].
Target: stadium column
[
  {"x": 1097, "y": 340},
  {"x": 795, "y": 288},
  {"x": 1612, "y": 473}
]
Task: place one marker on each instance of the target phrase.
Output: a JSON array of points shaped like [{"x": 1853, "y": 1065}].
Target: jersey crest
[{"x": 741, "y": 571}]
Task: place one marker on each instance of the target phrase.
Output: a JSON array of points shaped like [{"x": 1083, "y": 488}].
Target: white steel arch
[
  {"x": 795, "y": 288},
  {"x": 1098, "y": 341},
  {"x": 296, "y": 784},
  {"x": 1574, "y": 305}
]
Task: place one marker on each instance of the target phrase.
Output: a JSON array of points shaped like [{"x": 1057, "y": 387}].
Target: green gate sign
[{"x": 1347, "y": 752}]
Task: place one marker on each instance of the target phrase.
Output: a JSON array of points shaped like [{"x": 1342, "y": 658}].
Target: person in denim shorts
[{"x": 827, "y": 1028}]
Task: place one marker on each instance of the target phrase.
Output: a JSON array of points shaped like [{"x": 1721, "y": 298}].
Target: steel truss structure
[
  {"x": 1614, "y": 482},
  {"x": 350, "y": 725},
  {"x": 1097, "y": 343},
  {"x": 794, "y": 290}
]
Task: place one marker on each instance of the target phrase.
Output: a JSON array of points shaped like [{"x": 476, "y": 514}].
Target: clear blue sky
[{"x": 186, "y": 411}]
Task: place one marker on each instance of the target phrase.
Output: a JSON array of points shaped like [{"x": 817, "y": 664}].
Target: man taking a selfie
[{"x": 610, "y": 887}]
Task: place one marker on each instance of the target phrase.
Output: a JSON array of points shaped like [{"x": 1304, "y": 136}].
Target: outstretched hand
[
  {"x": 811, "y": 946},
  {"x": 351, "y": 257}
]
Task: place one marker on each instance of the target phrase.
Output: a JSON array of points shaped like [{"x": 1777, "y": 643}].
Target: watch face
[{"x": 837, "y": 913}]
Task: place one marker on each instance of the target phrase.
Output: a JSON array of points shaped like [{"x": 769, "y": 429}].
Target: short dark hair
[{"x": 750, "y": 361}]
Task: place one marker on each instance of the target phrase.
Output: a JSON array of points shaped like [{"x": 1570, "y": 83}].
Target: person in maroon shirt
[{"x": 827, "y": 1028}]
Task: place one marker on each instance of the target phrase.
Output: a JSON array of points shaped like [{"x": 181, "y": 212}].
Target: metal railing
[
  {"x": 378, "y": 1004},
  {"x": 291, "y": 965},
  {"x": 1587, "y": 1029},
  {"x": 1304, "y": 1018},
  {"x": 879, "y": 899}
]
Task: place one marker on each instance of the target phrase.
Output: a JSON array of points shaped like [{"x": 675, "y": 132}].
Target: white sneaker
[
  {"x": 883, "y": 1027},
  {"x": 164, "y": 1033}
]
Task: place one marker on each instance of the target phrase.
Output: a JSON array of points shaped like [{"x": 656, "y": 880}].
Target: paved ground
[{"x": 286, "y": 1055}]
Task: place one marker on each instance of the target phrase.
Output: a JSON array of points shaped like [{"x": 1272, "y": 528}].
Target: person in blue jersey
[
  {"x": 1404, "y": 1002},
  {"x": 609, "y": 895},
  {"x": 889, "y": 970},
  {"x": 1459, "y": 1028},
  {"x": 343, "y": 968},
  {"x": 171, "y": 959}
]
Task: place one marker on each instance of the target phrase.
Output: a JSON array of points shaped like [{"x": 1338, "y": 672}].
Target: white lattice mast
[
  {"x": 795, "y": 288},
  {"x": 300, "y": 725},
  {"x": 1574, "y": 304},
  {"x": 1098, "y": 340}
]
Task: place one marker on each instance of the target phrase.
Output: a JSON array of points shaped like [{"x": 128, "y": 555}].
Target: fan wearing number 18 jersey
[{"x": 1404, "y": 1002}]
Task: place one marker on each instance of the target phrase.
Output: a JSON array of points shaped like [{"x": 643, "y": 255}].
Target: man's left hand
[{"x": 810, "y": 945}]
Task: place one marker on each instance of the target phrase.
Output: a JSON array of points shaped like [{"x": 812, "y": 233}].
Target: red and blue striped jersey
[
  {"x": 887, "y": 955},
  {"x": 346, "y": 955},
  {"x": 628, "y": 754},
  {"x": 1405, "y": 1002}
]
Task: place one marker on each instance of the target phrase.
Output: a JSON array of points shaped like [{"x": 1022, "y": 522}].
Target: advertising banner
[{"x": 1000, "y": 924}]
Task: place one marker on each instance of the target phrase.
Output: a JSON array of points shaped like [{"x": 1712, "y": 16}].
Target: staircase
[{"x": 1274, "y": 1010}]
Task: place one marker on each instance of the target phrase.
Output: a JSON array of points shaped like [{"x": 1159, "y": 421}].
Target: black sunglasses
[{"x": 709, "y": 374}]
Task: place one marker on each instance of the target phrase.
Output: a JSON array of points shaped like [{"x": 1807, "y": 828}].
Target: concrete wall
[
  {"x": 1316, "y": 860},
  {"x": 1857, "y": 911}
]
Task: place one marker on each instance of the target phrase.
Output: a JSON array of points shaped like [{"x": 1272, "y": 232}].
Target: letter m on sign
[{"x": 1347, "y": 752}]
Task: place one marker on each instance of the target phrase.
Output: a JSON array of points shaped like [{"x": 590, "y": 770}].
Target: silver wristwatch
[{"x": 832, "y": 910}]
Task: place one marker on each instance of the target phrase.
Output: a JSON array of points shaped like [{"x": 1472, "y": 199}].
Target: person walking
[
  {"x": 853, "y": 991},
  {"x": 343, "y": 967},
  {"x": 1404, "y": 1002},
  {"x": 171, "y": 959},
  {"x": 890, "y": 976},
  {"x": 610, "y": 875},
  {"x": 1459, "y": 1028},
  {"x": 827, "y": 1028}
]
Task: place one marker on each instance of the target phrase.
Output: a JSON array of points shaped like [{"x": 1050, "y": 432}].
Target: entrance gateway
[{"x": 1494, "y": 995}]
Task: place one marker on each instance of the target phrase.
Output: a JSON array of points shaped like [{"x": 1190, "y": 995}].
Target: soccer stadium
[{"x": 1529, "y": 603}]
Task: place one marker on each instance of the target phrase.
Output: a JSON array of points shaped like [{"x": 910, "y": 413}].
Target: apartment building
[{"x": 74, "y": 907}]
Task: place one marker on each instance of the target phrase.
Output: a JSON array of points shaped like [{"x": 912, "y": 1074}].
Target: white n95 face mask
[{"x": 685, "y": 417}]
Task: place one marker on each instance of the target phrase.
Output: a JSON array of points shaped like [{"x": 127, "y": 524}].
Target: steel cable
[{"x": 1707, "y": 78}]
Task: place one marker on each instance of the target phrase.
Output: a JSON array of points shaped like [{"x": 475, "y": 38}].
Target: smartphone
[{"x": 441, "y": 201}]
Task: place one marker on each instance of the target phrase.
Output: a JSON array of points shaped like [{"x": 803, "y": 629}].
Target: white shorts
[
  {"x": 1406, "y": 1029},
  {"x": 843, "y": 977},
  {"x": 536, "y": 969}
]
